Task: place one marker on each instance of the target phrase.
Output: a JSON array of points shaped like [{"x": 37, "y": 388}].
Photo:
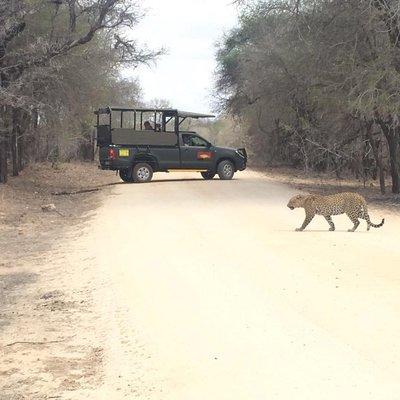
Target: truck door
[
  {"x": 196, "y": 152},
  {"x": 167, "y": 156}
]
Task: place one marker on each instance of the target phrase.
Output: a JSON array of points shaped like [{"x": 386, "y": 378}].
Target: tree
[
  {"x": 314, "y": 79},
  {"x": 37, "y": 38}
]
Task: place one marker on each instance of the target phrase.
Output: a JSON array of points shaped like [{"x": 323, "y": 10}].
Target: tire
[
  {"x": 142, "y": 173},
  {"x": 226, "y": 170},
  {"x": 208, "y": 175},
  {"x": 126, "y": 175}
]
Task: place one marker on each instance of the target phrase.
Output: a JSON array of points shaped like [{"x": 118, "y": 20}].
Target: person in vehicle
[
  {"x": 186, "y": 140},
  {"x": 147, "y": 126}
]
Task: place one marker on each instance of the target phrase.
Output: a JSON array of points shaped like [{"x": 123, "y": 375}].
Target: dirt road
[{"x": 202, "y": 290}]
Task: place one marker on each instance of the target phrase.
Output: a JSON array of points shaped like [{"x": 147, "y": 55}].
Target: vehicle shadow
[
  {"x": 152, "y": 181},
  {"x": 179, "y": 180},
  {"x": 189, "y": 180},
  {"x": 164, "y": 180}
]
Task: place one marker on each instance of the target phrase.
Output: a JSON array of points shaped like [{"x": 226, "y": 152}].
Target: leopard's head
[{"x": 296, "y": 201}]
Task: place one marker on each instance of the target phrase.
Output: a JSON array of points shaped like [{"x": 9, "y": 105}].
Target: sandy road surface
[
  {"x": 191, "y": 290},
  {"x": 209, "y": 294}
]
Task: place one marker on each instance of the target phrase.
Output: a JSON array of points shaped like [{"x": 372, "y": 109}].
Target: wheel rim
[
  {"x": 227, "y": 169},
  {"x": 143, "y": 173}
]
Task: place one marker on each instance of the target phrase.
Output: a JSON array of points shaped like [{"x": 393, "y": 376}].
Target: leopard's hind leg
[
  {"x": 330, "y": 222},
  {"x": 353, "y": 215},
  {"x": 363, "y": 214}
]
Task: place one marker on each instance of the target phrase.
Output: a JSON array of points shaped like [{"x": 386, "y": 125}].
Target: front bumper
[{"x": 241, "y": 165}]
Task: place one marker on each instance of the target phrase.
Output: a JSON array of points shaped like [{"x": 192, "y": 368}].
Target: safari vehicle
[{"x": 137, "y": 142}]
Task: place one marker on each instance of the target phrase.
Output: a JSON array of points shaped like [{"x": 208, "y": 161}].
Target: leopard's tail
[
  {"x": 366, "y": 217},
  {"x": 375, "y": 225}
]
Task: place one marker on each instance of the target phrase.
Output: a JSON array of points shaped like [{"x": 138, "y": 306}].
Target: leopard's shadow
[{"x": 321, "y": 231}]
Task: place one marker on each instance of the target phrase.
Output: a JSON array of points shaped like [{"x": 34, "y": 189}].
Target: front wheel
[
  {"x": 226, "y": 170},
  {"x": 208, "y": 175},
  {"x": 142, "y": 173}
]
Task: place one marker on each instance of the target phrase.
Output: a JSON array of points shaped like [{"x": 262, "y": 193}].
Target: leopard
[{"x": 352, "y": 204}]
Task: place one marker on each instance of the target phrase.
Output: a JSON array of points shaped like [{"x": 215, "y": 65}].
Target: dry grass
[
  {"x": 24, "y": 227},
  {"x": 21, "y": 198}
]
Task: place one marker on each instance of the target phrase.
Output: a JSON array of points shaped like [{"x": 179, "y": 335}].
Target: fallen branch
[
  {"x": 39, "y": 343},
  {"x": 64, "y": 193},
  {"x": 50, "y": 208}
]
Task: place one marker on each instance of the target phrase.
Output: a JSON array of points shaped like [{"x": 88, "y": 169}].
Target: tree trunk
[
  {"x": 377, "y": 157},
  {"x": 391, "y": 134},
  {"x": 3, "y": 150},
  {"x": 381, "y": 170},
  {"x": 17, "y": 115},
  {"x": 392, "y": 138},
  {"x": 20, "y": 154},
  {"x": 3, "y": 157},
  {"x": 14, "y": 144},
  {"x": 93, "y": 146},
  {"x": 14, "y": 152}
]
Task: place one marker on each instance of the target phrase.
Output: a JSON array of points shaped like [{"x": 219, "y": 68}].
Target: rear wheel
[
  {"x": 142, "y": 173},
  {"x": 226, "y": 170},
  {"x": 126, "y": 175},
  {"x": 208, "y": 175}
]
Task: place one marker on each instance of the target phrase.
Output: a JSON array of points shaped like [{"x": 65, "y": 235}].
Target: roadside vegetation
[
  {"x": 315, "y": 84},
  {"x": 311, "y": 84},
  {"x": 59, "y": 59}
]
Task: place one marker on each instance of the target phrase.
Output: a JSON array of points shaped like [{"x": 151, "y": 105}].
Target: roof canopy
[
  {"x": 169, "y": 112},
  {"x": 186, "y": 114}
]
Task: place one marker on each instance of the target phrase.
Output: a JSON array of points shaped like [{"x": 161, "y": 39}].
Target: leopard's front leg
[
  {"x": 330, "y": 222},
  {"x": 308, "y": 219}
]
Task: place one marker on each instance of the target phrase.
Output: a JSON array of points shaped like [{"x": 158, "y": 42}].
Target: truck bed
[{"x": 130, "y": 137}]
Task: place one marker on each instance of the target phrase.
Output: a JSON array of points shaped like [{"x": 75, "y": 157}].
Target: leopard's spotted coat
[{"x": 352, "y": 204}]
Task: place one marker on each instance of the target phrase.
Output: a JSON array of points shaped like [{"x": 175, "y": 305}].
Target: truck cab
[{"x": 138, "y": 142}]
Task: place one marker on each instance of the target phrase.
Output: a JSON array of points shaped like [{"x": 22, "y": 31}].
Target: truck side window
[{"x": 193, "y": 140}]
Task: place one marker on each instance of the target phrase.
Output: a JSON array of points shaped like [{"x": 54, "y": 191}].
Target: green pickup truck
[{"x": 138, "y": 142}]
